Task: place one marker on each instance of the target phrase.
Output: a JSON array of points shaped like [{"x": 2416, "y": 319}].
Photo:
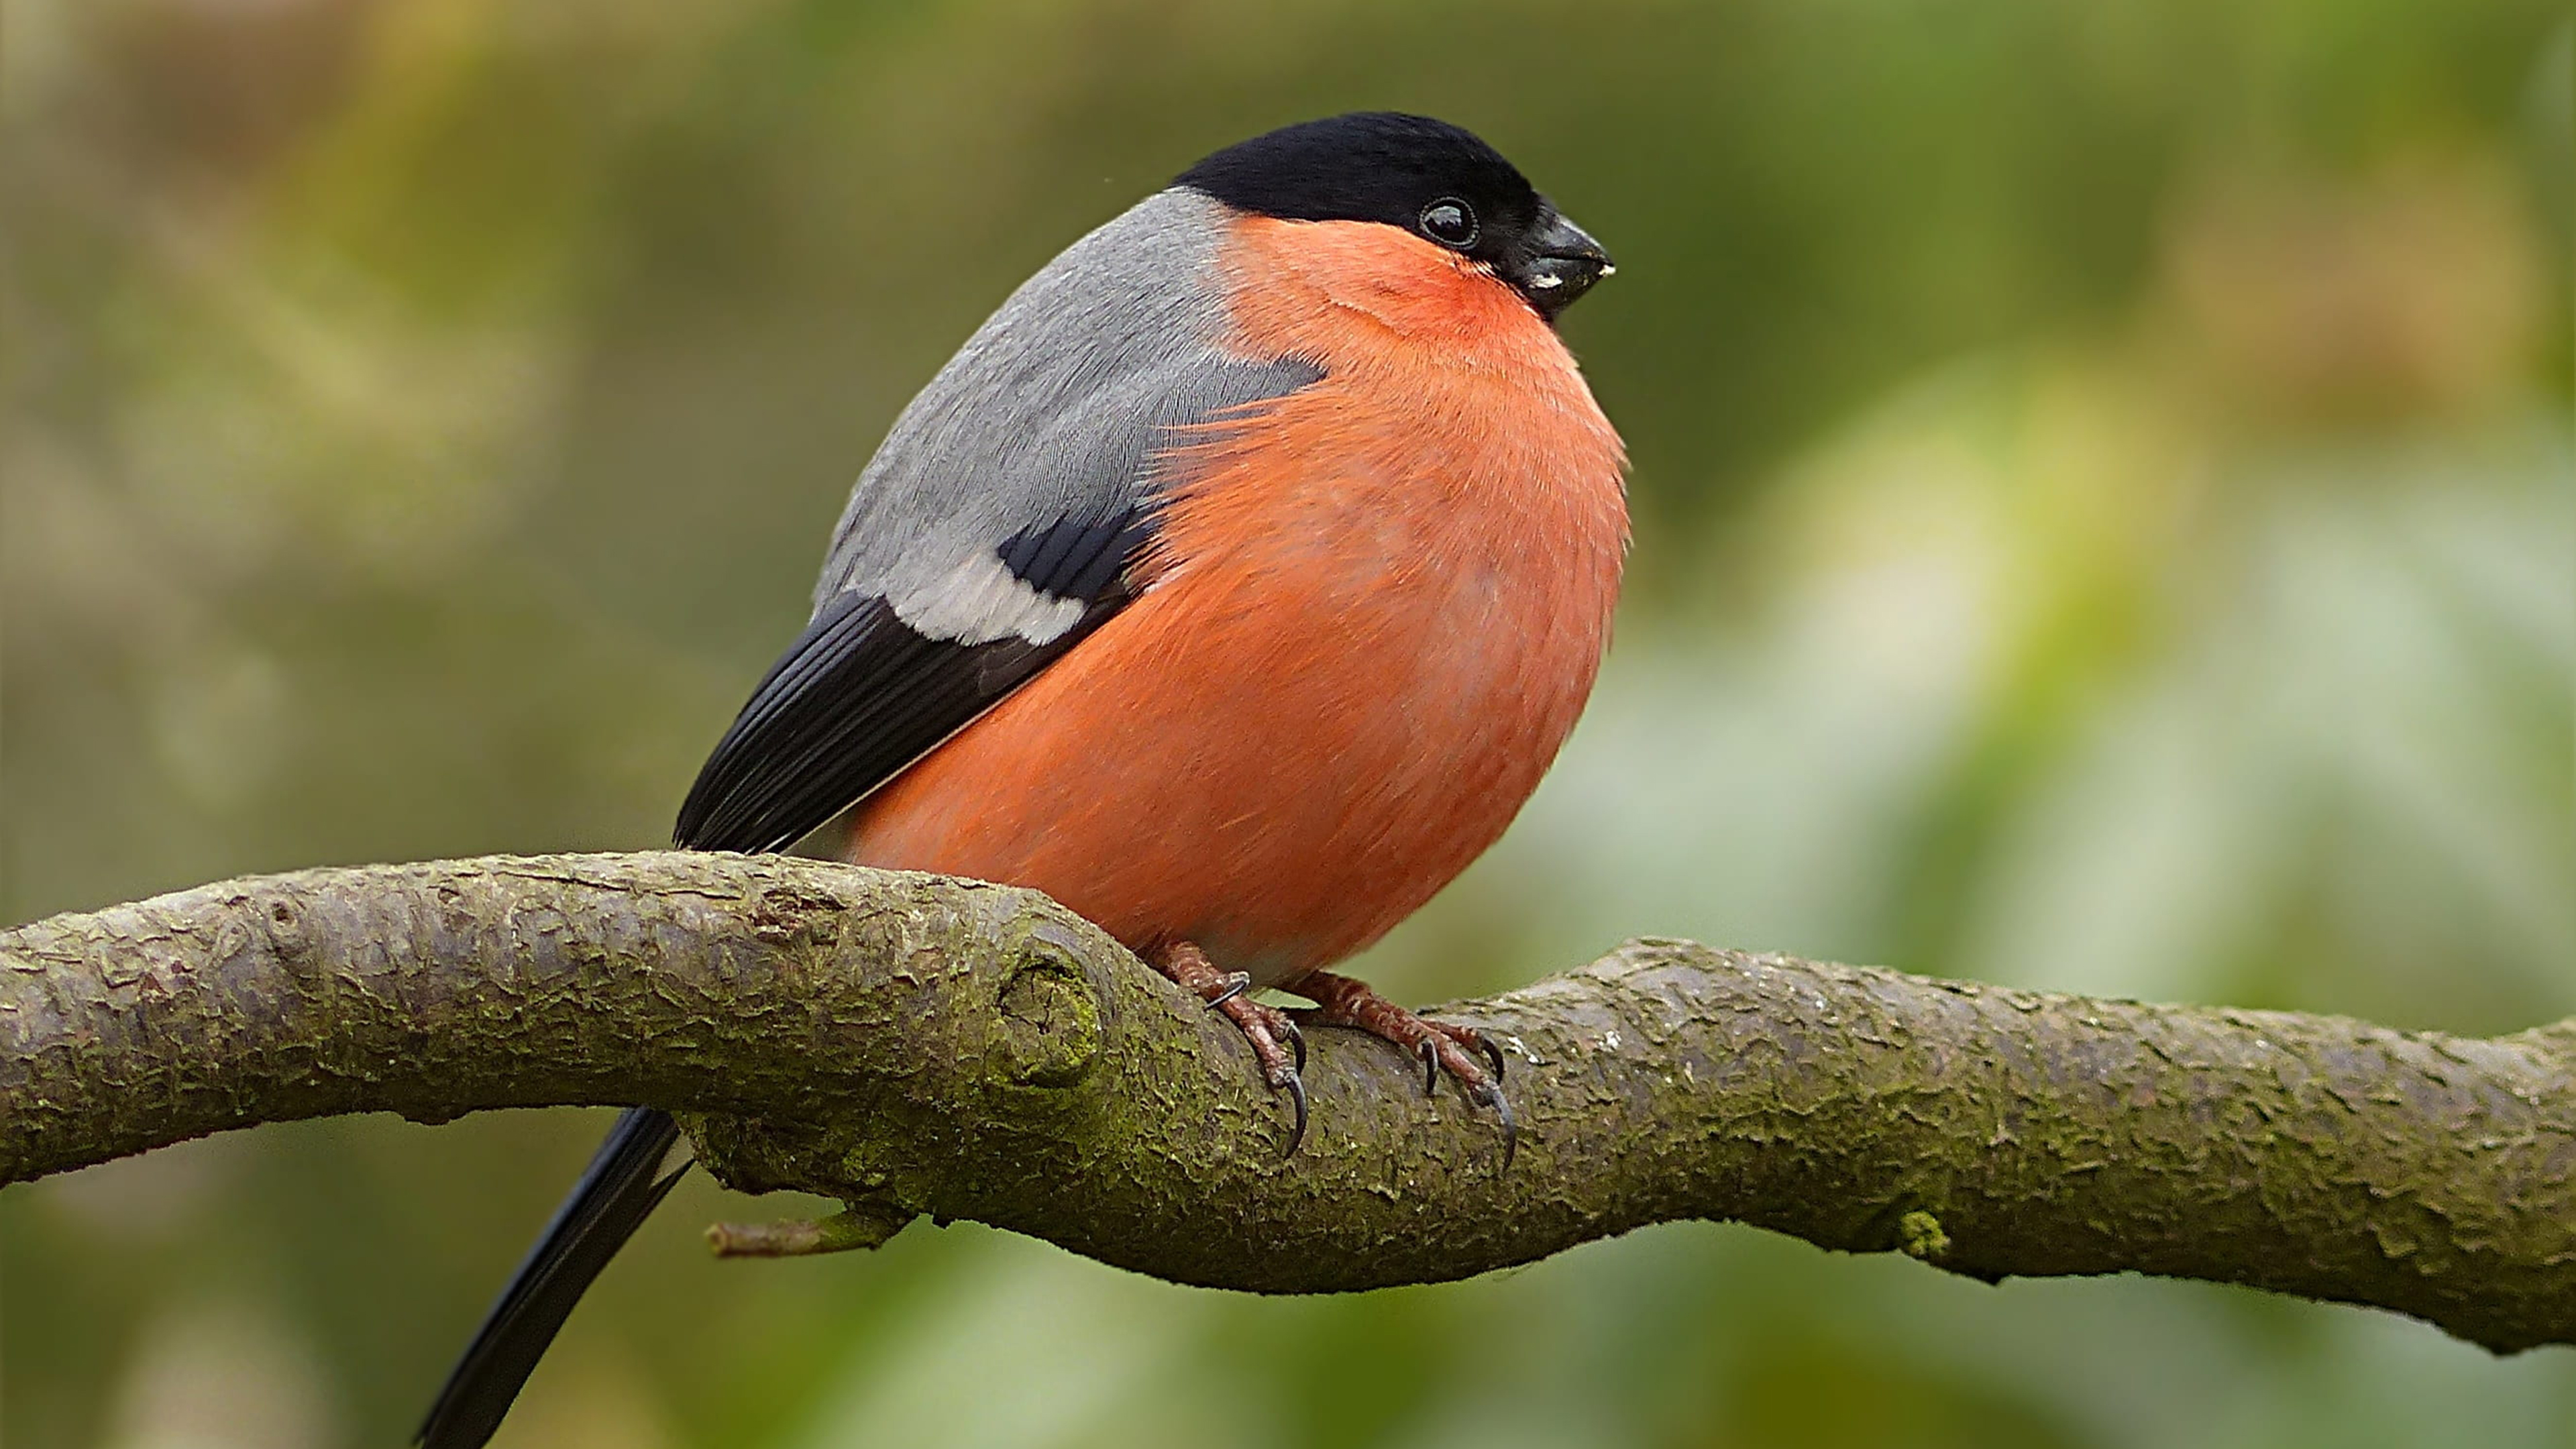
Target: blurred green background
[{"x": 2104, "y": 523}]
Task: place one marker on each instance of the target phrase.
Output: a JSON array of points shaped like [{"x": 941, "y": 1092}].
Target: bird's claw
[
  {"x": 1296, "y": 1086},
  {"x": 1490, "y": 1094},
  {"x": 1440, "y": 1046},
  {"x": 1278, "y": 1047}
]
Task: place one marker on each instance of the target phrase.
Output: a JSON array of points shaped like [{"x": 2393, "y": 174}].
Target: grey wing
[{"x": 993, "y": 529}]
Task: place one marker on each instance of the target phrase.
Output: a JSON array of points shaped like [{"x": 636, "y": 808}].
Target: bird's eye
[{"x": 1450, "y": 222}]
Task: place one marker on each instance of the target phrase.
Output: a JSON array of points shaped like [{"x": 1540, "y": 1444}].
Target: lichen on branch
[{"x": 913, "y": 1044}]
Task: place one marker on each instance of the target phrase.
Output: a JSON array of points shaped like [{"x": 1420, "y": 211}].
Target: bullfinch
[{"x": 1234, "y": 585}]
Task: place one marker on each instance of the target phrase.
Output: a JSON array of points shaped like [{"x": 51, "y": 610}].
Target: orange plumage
[{"x": 1373, "y": 614}]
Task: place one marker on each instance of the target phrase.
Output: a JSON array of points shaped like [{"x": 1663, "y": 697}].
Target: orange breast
[{"x": 1375, "y": 609}]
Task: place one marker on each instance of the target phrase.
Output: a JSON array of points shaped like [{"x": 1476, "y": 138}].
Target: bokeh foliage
[{"x": 2104, "y": 523}]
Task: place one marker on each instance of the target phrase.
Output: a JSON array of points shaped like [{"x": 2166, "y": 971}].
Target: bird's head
[{"x": 1426, "y": 177}]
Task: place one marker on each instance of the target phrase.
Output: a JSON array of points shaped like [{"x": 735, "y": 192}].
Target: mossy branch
[{"x": 913, "y": 1045}]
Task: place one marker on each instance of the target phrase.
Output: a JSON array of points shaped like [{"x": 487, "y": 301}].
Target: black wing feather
[
  {"x": 858, "y": 696},
  {"x": 861, "y": 694}
]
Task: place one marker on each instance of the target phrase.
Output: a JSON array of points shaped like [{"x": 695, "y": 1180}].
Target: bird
[{"x": 1234, "y": 584}]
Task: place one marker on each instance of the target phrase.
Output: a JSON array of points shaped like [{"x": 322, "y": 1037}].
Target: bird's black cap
[
  {"x": 1367, "y": 166},
  {"x": 1426, "y": 176}
]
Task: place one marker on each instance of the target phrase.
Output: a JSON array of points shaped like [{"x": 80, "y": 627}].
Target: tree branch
[{"x": 912, "y": 1045}]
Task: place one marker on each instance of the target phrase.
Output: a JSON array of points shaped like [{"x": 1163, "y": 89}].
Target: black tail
[{"x": 616, "y": 1193}]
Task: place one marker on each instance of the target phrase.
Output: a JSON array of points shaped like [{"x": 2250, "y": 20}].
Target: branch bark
[{"x": 912, "y": 1044}]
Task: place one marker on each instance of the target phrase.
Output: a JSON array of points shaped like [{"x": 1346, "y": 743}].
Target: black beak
[{"x": 1559, "y": 263}]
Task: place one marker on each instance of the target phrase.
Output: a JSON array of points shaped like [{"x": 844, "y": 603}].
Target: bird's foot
[
  {"x": 1442, "y": 1046},
  {"x": 1277, "y": 1045}
]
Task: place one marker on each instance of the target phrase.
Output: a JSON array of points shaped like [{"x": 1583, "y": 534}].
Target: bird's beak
[{"x": 1560, "y": 263}]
